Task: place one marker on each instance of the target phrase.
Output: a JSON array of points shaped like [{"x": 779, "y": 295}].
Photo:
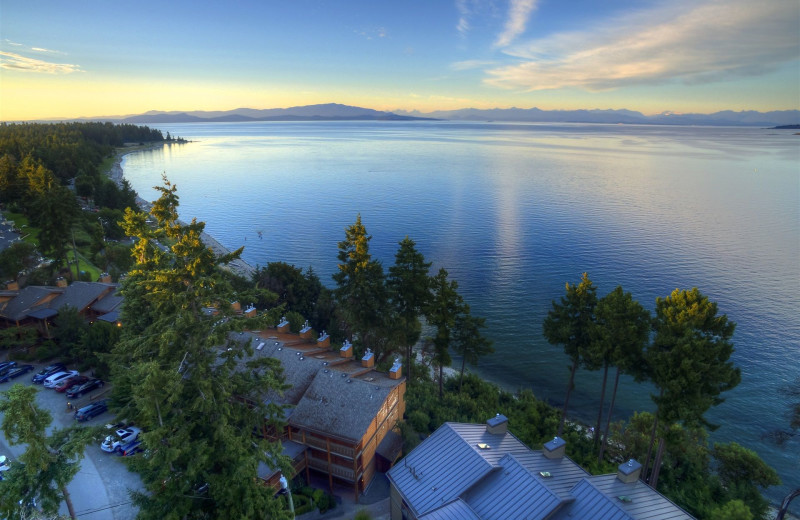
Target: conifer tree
[
  {"x": 442, "y": 311},
  {"x": 198, "y": 404},
  {"x": 409, "y": 287},
  {"x": 570, "y": 323},
  {"x": 621, "y": 334},
  {"x": 689, "y": 362},
  {"x": 468, "y": 340}
]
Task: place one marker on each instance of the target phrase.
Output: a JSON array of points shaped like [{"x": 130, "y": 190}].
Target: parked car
[
  {"x": 15, "y": 372},
  {"x": 6, "y": 366},
  {"x": 48, "y": 371},
  {"x": 66, "y": 384},
  {"x": 119, "y": 438},
  {"x": 53, "y": 380},
  {"x": 131, "y": 448},
  {"x": 91, "y": 410},
  {"x": 4, "y": 465},
  {"x": 88, "y": 386}
]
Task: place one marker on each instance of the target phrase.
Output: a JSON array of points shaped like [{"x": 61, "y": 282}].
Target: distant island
[
  {"x": 786, "y": 127},
  {"x": 783, "y": 119}
]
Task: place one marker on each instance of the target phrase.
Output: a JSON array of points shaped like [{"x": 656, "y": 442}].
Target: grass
[{"x": 28, "y": 234}]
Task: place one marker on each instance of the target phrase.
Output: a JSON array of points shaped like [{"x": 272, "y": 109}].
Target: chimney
[
  {"x": 305, "y": 332},
  {"x": 628, "y": 472},
  {"x": 324, "y": 341},
  {"x": 368, "y": 361},
  {"x": 12, "y": 286},
  {"x": 497, "y": 425},
  {"x": 61, "y": 281},
  {"x": 396, "y": 372},
  {"x": 283, "y": 326},
  {"x": 236, "y": 307},
  {"x": 104, "y": 278},
  {"x": 250, "y": 312},
  {"x": 347, "y": 350},
  {"x": 555, "y": 449}
]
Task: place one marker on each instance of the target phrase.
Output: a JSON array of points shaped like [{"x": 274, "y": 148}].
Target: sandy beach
[{"x": 116, "y": 174}]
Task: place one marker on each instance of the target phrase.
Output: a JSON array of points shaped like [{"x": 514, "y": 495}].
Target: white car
[
  {"x": 119, "y": 438},
  {"x": 53, "y": 380}
]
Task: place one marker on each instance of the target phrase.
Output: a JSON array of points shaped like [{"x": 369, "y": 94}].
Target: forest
[{"x": 199, "y": 410}]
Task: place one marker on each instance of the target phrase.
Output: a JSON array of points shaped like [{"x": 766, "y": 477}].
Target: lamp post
[{"x": 285, "y": 486}]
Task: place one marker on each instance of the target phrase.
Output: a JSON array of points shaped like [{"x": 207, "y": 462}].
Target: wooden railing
[
  {"x": 335, "y": 448},
  {"x": 334, "y": 469}
]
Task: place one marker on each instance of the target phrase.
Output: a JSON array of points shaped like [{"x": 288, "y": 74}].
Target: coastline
[{"x": 116, "y": 174}]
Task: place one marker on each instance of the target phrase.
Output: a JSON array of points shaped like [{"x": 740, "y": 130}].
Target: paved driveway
[{"x": 100, "y": 489}]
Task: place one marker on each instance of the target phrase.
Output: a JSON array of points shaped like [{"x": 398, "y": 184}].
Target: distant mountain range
[{"x": 337, "y": 112}]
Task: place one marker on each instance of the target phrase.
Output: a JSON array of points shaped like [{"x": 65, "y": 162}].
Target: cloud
[
  {"x": 689, "y": 42},
  {"x": 9, "y": 42},
  {"x": 12, "y": 61},
  {"x": 375, "y": 32},
  {"x": 465, "y": 8},
  {"x": 48, "y": 51},
  {"x": 519, "y": 12}
]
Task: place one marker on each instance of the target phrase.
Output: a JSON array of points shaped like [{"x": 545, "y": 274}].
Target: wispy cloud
[
  {"x": 465, "y": 9},
  {"x": 519, "y": 12},
  {"x": 9, "y": 42},
  {"x": 12, "y": 61},
  {"x": 687, "y": 42},
  {"x": 372, "y": 33},
  {"x": 47, "y": 51}
]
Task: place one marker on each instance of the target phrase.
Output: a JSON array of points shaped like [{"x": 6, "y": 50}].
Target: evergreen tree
[
  {"x": 409, "y": 287},
  {"x": 443, "y": 309},
  {"x": 689, "y": 362},
  {"x": 361, "y": 292},
  {"x": 570, "y": 323},
  {"x": 198, "y": 403},
  {"x": 468, "y": 340},
  {"x": 50, "y": 461},
  {"x": 622, "y": 332}
]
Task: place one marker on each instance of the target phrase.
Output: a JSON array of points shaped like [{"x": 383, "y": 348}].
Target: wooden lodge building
[{"x": 340, "y": 412}]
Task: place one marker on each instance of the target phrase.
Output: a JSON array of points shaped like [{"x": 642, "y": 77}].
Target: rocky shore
[{"x": 116, "y": 174}]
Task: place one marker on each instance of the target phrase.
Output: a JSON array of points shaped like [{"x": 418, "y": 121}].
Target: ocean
[{"x": 513, "y": 211}]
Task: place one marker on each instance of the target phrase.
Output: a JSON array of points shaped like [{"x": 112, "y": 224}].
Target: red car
[{"x": 64, "y": 385}]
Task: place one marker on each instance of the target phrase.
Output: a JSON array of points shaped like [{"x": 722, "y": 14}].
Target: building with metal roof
[{"x": 483, "y": 472}]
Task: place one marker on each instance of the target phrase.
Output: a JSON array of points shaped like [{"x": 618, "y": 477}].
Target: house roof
[
  {"x": 512, "y": 492},
  {"x": 454, "y": 510},
  {"x": 108, "y": 303},
  {"x": 462, "y": 469},
  {"x": 26, "y": 301},
  {"x": 81, "y": 295},
  {"x": 341, "y": 406},
  {"x": 642, "y": 501}
]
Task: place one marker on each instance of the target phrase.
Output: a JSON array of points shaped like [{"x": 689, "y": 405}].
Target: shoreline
[{"x": 116, "y": 174}]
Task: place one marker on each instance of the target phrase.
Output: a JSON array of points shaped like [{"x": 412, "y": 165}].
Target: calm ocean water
[{"x": 513, "y": 211}]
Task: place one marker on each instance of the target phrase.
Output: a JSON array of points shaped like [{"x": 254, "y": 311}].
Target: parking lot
[{"x": 100, "y": 489}]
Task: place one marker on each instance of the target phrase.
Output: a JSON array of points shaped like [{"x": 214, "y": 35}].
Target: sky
[{"x": 91, "y": 58}]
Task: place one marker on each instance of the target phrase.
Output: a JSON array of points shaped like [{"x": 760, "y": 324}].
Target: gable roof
[
  {"x": 511, "y": 492},
  {"x": 463, "y": 471},
  {"x": 27, "y": 300},
  {"x": 81, "y": 295},
  {"x": 644, "y": 502}
]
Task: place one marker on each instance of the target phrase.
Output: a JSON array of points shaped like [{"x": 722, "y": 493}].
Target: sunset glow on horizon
[{"x": 95, "y": 59}]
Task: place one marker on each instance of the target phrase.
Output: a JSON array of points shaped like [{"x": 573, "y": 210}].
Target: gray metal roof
[
  {"x": 645, "y": 502},
  {"x": 511, "y": 492},
  {"x": 590, "y": 504},
  {"x": 108, "y": 303},
  {"x": 439, "y": 470},
  {"x": 504, "y": 479},
  {"x": 340, "y": 406},
  {"x": 454, "y": 510}
]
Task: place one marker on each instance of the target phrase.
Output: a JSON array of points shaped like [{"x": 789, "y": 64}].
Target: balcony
[
  {"x": 322, "y": 445},
  {"x": 335, "y": 469}
]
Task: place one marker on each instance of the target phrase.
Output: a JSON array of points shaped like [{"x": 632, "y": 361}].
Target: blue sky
[{"x": 89, "y": 58}]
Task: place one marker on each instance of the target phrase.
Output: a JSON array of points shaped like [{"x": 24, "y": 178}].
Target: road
[{"x": 100, "y": 489}]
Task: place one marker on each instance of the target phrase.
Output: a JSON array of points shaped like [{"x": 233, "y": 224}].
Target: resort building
[
  {"x": 37, "y": 305},
  {"x": 483, "y": 472},
  {"x": 340, "y": 412}
]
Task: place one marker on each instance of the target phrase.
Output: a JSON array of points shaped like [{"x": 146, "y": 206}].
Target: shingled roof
[
  {"x": 338, "y": 405},
  {"x": 28, "y": 300}
]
